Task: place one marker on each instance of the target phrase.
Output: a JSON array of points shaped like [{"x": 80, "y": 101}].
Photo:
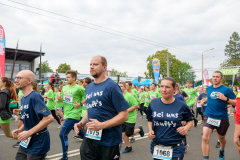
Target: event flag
[
  {"x": 156, "y": 69},
  {"x": 206, "y": 76},
  {"x": 233, "y": 79},
  {"x": 2, "y": 52}
]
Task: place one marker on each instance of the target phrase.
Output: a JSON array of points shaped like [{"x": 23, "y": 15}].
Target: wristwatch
[{"x": 227, "y": 99}]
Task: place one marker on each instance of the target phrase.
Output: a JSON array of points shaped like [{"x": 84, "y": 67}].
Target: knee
[
  {"x": 222, "y": 139},
  {"x": 129, "y": 133},
  {"x": 205, "y": 139},
  {"x": 61, "y": 135}
]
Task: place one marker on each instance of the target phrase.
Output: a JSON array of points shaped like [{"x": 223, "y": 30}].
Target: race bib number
[
  {"x": 97, "y": 135},
  {"x": 163, "y": 152},
  {"x": 214, "y": 122},
  {"x": 68, "y": 99},
  {"x": 25, "y": 142}
]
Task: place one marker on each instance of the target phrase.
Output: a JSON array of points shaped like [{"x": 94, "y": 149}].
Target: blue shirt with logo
[
  {"x": 104, "y": 101},
  {"x": 33, "y": 109},
  {"x": 166, "y": 118},
  {"x": 216, "y": 108}
]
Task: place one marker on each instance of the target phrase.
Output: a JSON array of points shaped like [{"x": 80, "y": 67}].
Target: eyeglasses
[{"x": 19, "y": 78}]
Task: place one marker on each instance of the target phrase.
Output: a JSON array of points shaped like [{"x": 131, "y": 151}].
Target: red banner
[
  {"x": 206, "y": 76},
  {"x": 2, "y": 52}
]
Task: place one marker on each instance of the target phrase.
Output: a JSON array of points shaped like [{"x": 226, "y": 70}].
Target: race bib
[
  {"x": 152, "y": 95},
  {"x": 25, "y": 142},
  {"x": 97, "y": 135},
  {"x": 163, "y": 152},
  {"x": 214, "y": 122},
  {"x": 68, "y": 99}
]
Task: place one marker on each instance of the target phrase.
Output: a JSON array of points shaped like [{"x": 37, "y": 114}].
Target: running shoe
[
  {"x": 186, "y": 148},
  {"x": 59, "y": 126},
  {"x": 132, "y": 140},
  {"x": 141, "y": 131},
  {"x": 218, "y": 145},
  {"x": 221, "y": 155},
  {"x": 16, "y": 145},
  {"x": 78, "y": 138},
  {"x": 127, "y": 149}
]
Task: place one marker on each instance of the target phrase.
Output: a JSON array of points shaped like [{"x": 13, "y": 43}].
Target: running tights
[{"x": 55, "y": 116}]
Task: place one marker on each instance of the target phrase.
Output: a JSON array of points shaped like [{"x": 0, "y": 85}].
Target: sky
[{"x": 126, "y": 32}]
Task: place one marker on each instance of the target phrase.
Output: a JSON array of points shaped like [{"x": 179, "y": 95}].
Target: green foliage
[
  {"x": 63, "y": 68},
  {"x": 232, "y": 51},
  {"x": 45, "y": 67},
  {"x": 177, "y": 69},
  {"x": 121, "y": 74}
]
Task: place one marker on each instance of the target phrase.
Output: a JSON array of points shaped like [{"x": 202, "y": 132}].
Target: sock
[
  {"x": 221, "y": 149},
  {"x": 206, "y": 157}
]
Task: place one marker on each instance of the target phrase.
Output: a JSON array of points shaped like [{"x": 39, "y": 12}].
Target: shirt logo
[
  {"x": 43, "y": 110},
  {"x": 213, "y": 95}
]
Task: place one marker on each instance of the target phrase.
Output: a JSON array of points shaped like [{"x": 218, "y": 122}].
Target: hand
[
  {"x": 221, "y": 96},
  {"x": 202, "y": 102},
  {"x": 15, "y": 133},
  {"x": 23, "y": 135},
  {"x": 235, "y": 140},
  {"x": 56, "y": 101},
  {"x": 182, "y": 130},
  {"x": 77, "y": 127},
  {"x": 13, "y": 102},
  {"x": 44, "y": 96},
  {"x": 76, "y": 105},
  {"x": 94, "y": 125},
  {"x": 15, "y": 111},
  {"x": 151, "y": 135}
]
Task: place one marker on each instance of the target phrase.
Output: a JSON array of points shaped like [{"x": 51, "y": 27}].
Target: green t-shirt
[
  {"x": 20, "y": 95},
  {"x": 135, "y": 91},
  {"x": 50, "y": 103},
  {"x": 84, "y": 109},
  {"x": 142, "y": 97},
  {"x": 57, "y": 104},
  {"x": 132, "y": 102},
  {"x": 159, "y": 90},
  {"x": 12, "y": 105},
  {"x": 153, "y": 94},
  {"x": 147, "y": 99},
  {"x": 192, "y": 93},
  {"x": 135, "y": 96},
  {"x": 71, "y": 94}
]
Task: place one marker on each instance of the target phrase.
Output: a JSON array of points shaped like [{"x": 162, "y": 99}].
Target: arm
[
  {"x": 46, "y": 120},
  {"x": 78, "y": 126},
  {"x": 223, "y": 98},
  {"x": 151, "y": 134},
  {"x": 95, "y": 125},
  {"x": 132, "y": 108},
  {"x": 184, "y": 129}
]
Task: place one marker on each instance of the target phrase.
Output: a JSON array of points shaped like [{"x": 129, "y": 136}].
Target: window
[
  {"x": 8, "y": 67},
  {"x": 25, "y": 67}
]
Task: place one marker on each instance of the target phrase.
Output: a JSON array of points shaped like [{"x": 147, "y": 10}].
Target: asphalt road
[{"x": 140, "y": 146}]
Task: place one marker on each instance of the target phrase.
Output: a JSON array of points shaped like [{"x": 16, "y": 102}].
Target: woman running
[
  {"x": 164, "y": 123},
  {"x": 50, "y": 102},
  {"x": 142, "y": 101},
  {"x": 8, "y": 92}
]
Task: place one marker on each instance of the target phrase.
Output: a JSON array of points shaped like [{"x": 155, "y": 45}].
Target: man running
[
  {"x": 71, "y": 95},
  {"x": 153, "y": 94},
  {"x": 106, "y": 111},
  {"x": 33, "y": 134},
  {"x": 128, "y": 126},
  {"x": 216, "y": 114}
]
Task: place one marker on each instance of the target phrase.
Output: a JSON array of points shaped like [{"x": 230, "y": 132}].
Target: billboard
[{"x": 2, "y": 52}]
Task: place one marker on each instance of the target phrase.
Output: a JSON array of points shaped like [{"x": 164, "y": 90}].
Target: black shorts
[
  {"x": 128, "y": 128},
  {"x": 221, "y": 130},
  {"x": 90, "y": 150},
  {"x": 21, "y": 155}
]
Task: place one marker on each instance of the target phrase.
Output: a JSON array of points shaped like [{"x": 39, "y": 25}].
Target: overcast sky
[{"x": 185, "y": 27}]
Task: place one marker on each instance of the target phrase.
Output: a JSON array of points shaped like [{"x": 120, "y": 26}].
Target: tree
[
  {"x": 121, "y": 74},
  {"x": 45, "y": 67},
  {"x": 232, "y": 52},
  {"x": 177, "y": 69},
  {"x": 63, "y": 68}
]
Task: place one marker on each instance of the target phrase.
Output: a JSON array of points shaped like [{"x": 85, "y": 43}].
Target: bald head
[
  {"x": 27, "y": 74},
  {"x": 102, "y": 59}
]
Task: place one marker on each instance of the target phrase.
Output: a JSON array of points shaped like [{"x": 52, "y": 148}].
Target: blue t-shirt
[
  {"x": 104, "y": 101},
  {"x": 200, "y": 97},
  {"x": 180, "y": 97},
  {"x": 217, "y": 108},
  {"x": 166, "y": 118},
  {"x": 33, "y": 109}
]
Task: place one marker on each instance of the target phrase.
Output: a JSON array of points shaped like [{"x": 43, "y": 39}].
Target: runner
[
  {"x": 164, "y": 123},
  {"x": 202, "y": 99},
  {"x": 58, "y": 104},
  {"x": 71, "y": 94},
  {"x": 198, "y": 102},
  {"x": 82, "y": 133},
  {"x": 128, "y": 126},
  {"x": 192, "y": 93},
  {"x": 33, "y": 134},
  {"x": 106, "y": 111},
  {"x": 216, "y": 115},
  {"x": 134, "y": 89},
  {"x": 142, "y": 101},
  {"x": 147, "y": 100},
  {"x": 7, "y": 92},
  {"x": 50, "y": 102},
  {"x": 80, "y": 82},
  {"x": 234, "y": 88},
  {"x": 178, "y": 93},
  {"x": 153, "y": 94}
]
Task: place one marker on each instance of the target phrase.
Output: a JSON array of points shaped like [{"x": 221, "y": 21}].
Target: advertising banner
[
  {"x": 206, "y": 77},
  {"x": 156, "y": 69},
  {"x": 233, "y": 79},
  {"x": 229, "y": 71},
  {"x": 2, "y": 52}
]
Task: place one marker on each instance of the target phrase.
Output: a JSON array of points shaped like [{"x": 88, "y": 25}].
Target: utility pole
[
  {"x": 167, "y": 64},
  {"x": 15, "y": 57}
]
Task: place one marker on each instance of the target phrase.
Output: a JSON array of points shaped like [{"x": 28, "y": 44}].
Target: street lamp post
[{"x": 202, "y": 63}]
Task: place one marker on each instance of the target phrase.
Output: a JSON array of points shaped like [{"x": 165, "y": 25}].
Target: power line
[{"x": 161, "y": 44}]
